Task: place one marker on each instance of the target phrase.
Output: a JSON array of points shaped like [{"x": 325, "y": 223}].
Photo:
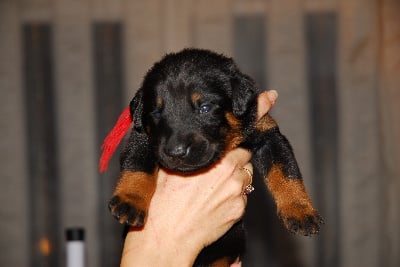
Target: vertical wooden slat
[
  {"x": 359, "y": 159},
  {"x": 321, "y": 56},
  {"x": 287, "y": 74},
  {"x": 212, "y": 25},
  {"x": 107, "y": 40},
  {"x": 268, "y": 242},
  {"x": 143, "y": 33},
  {"x": 74, "y": 99},
  {"x": 248, "y": 52},
  {"x": 250, "y": 46},
  {"x": 42, "y": 151},
  {"x": 14, "y": 248},
  {"x": 389, "y": 127},
  {"x": 176, "y": 24}
]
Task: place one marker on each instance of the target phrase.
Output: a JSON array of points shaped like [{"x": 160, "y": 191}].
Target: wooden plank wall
[
  {"x": 250, "y": 46},
  {"x": 108, "y": 76},
  {"x": 13, "y": 157},
  {"x": 321, "y": 36},
  {"x": 389, "y": 130},
  {"x": 76, "y": 123},
  {"x": 349, "y": 156},
  {"x": 42, "y": 152},
  {"x": 359, "y": 163}
]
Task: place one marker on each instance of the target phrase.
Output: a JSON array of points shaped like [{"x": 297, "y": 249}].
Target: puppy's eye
[
  {"x": 204, "y": 108},
  {"x": 156, "y": 114}
]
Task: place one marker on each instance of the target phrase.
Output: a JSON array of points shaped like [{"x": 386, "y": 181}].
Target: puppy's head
[{"x": 194, "y": 105}]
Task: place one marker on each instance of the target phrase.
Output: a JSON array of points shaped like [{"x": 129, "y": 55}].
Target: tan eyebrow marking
[
  {"x": 159, "y": 102},
  {"x": 195, "y": 97}
]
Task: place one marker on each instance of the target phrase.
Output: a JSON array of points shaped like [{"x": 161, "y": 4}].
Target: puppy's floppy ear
[
  {"x": 243, "y": 93},
  {"x": 136, "y": 108}
]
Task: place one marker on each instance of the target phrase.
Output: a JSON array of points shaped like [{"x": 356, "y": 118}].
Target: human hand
[
  {"x": 185, "y": 215},
  {"x": 265, "y": 102}
]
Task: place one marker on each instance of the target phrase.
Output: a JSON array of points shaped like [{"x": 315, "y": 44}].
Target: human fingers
[
  {"x": 233, "y": 192},
  {"x": 238, "y": 157},
  {"x": 265, "y": 102},
  {"x": 227, "y": 203}
]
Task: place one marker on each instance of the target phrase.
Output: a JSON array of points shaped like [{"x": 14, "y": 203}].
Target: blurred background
[{"x": 69, "y": 67}]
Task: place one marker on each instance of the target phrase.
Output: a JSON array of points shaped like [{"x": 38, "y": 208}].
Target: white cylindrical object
[{"x": 75, "y": 247}]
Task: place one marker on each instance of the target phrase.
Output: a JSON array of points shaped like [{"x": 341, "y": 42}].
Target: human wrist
[{"x": 144, "y": 249}]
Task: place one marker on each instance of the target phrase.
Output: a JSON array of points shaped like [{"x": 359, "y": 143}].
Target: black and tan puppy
[{"x": 193, "y": 107}]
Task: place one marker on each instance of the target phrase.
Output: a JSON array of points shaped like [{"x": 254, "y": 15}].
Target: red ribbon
[{"x": 113, "y": 139}]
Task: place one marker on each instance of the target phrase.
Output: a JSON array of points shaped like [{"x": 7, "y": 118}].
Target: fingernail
[{"x": 272, "y": 95}]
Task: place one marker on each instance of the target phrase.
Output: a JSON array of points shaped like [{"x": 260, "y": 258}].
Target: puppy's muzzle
[
  {"x": 178, "y": 151},
  {"x": 186, "y": 154}
]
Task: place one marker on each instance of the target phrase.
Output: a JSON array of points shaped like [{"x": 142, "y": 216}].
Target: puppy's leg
[
  {"x": 284, "y": 180},
  {"x": 293, "y": 203},
  {"x": 132, "y": 196}
]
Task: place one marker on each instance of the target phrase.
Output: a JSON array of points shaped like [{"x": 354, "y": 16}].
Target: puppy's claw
[
  {"x": 126, "y": 213},
  {"x": 307, "y": 226}
]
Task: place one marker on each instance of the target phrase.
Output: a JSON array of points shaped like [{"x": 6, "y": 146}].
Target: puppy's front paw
[
  {"x": 307, "y": 223},
  {"x": 126, "y": 212}
]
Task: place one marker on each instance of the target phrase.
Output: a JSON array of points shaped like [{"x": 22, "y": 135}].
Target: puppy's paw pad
[
  {"x": 126, "y": 213},
  {"x": 309, "y": 224}
]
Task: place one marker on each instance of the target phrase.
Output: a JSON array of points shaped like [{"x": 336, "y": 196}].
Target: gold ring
[{"x": 249, "y": 188}]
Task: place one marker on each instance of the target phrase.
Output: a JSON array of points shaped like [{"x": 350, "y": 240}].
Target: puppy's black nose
[{"x": 177, "y": 151}]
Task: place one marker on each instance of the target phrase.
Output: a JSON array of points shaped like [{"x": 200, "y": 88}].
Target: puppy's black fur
[{"x": 192, "y": 108}]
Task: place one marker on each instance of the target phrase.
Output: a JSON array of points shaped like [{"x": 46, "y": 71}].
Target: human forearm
[{"x": 145, "y": 249}]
